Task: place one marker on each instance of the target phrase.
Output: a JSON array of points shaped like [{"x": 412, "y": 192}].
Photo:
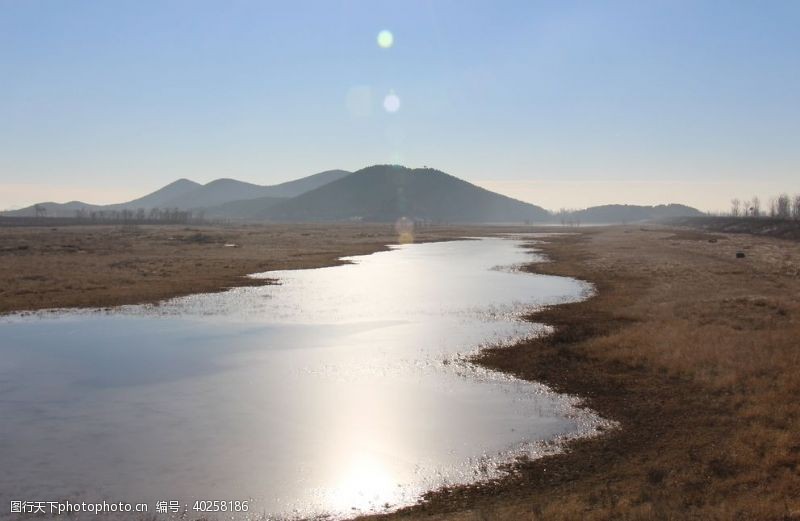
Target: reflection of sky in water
[{"x": 340, "y": 388}]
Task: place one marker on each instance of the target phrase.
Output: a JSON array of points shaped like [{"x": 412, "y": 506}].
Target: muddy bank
[{"x": 692, "y": 351}]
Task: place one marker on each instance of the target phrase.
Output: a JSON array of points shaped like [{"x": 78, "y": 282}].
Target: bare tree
[
  {"x": 40, "y": 210},
  {"x": 796, "y": 207},
  {"x": 756, "y": 209},
  {"x": 783, "y": 206},
  {"x": 773, "y": 207},
  {"x": 735, "y": 206}
]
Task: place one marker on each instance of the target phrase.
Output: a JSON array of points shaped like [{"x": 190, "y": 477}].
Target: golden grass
[
  {"x": 79, "y": 266},
  {"x": 694, "y": 352}
]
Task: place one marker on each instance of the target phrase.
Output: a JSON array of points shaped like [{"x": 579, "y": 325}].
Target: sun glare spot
[
  {"x": 385, "y": 39},
  {"x": 391, "y": 102},
  {"x": 365, "y": 484},
  {"x": 405, "y": 230}
]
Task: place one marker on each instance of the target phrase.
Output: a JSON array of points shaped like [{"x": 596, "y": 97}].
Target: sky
[{"x": 563, "y": 104}]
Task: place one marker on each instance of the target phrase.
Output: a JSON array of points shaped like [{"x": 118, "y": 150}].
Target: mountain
[
  {"x": 215, "y": 193},
  {"x": 305, "y": 184},
  {"x": 157, "y": 199},
  {"x": 385, "y": 193},
  {"x": 189, "y": 195},
  {"x": 52, "y": 209},
  {"x": 247, "y": 209},
  {"x": 381, "y": 193},
  {"x": 161, "y": 197},
  {"x": 222, "y": 191},
  {"x": 625, "y": 213}
]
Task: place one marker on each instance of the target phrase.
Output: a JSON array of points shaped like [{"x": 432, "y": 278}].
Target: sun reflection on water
[
  {"x": 366, "y": 484},
  {"x": 340, "y": 388}
]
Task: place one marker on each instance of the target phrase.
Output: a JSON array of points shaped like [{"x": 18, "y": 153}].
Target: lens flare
[
  {"x": 391, "y": 103},
  {"x": 405, "y": 230},
  {"x": 385, "y": 39}
]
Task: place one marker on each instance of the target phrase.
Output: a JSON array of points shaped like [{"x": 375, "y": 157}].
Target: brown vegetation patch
[
  {"x": 788, "y": 229},
  {"x": 694, "y": 355},
  {"x": 694, "y": 352},
  {"x": 95, "y": 266}
]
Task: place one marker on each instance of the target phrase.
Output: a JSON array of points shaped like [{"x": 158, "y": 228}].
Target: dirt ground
[
  {"x": 695, "y": 352},
  {"x": 79, "y": 266}
]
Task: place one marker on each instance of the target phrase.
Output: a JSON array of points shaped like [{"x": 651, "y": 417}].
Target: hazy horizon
[
  {"x": 564, "y": 105},
  {"x": 549, "y": 194}
]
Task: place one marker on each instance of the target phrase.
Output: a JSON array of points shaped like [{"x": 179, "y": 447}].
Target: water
[{"x": 341, "y": 390}]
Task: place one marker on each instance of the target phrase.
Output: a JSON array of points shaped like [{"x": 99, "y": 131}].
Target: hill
[
  {"x": 305, "y": 184},
  {"x": 185, "y": 194},
  {"x": 160, "y": 198},
  {"x": 380, "y": 193},
  {"x": 216, "y": 192},
  {"x": 246, "y": 209},
  {"x": 222, "y": 191},
  {"x": 52, "y": 209},
  {"x": 626, "y": 213},
  {"x": 384, "y": 193}
]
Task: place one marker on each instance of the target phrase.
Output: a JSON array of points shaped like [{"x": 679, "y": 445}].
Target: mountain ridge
[
  {"x": 186, "y": 194},
  {"x": 378, "y": 193},
  {"x": 382, "y": 193},
  {"x": 158, "y": 198},
  {"x": 624, "y": 213}
]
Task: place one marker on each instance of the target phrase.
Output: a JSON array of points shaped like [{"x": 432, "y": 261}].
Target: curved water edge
[{"x": 363, "y": 368}]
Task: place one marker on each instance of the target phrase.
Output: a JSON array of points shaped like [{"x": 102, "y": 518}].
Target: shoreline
[
  {"x": 108, "y": 266},
  {"x": 691, "y": 351},
  {"x": 685, "y": 419},
  {"x": 587, "y": 430}
]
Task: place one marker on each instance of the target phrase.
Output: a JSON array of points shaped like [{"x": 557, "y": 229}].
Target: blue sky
[{"x": 563, "y": 104}]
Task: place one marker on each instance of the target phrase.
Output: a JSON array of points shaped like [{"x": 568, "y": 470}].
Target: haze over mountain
[
  {"x": 244, "y": 210},
  {"x": 223, "y": 191},
  {"x": 185, "y": 194},
  {"x": 380, "y": 193},
  {"x": 626, "y": 213},
  {"x": 162, "y": 197},
  {"x": 54, "y": 209},
  {"x": 216, "y": 192},
  {"x": 305, "y": 184},
  {"x": 388, "y": 192}
]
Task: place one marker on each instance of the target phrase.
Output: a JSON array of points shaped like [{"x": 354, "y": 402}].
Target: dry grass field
[
  {"x": 696, "y": 353},
  {"x": 79, "y": 266}
]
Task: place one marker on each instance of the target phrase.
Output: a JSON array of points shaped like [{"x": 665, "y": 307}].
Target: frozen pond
[{"x": 340, "y": 390}]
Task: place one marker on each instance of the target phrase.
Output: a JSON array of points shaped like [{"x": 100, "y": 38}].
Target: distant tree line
[
  {"x": 783, "y": 207},
  {"x": 566, "y": 217},
  {"x": 141, "y": 215}
]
